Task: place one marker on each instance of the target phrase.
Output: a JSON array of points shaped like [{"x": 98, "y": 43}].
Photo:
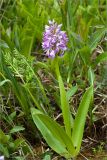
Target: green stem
[{"x": 57, "y": 67}]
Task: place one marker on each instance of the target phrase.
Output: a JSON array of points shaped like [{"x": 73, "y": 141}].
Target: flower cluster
[{"x": 54, "y": 40}]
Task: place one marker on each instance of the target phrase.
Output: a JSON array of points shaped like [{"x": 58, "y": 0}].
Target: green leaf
[
  {"x": 4, "y": 150},
  {"x": 12, "y": 116},
  {"x": 68, "y": 119},
  {"x": 53, "y": 133},
  {"x": 18, "y": 142},
  {"x": 80, "y": 119},
  {"x": 3, "y": 44},
  {"x": 101, "y": 58},
  {"x": 47, "y": 157},
  {"x": 4, "y": 138},
  {"x": 71, "y": 92},
  {"x": 17, "y": 129},
  {"x": 91, "y": 76},
  {"x": 4, "y": 81},
  {"x": 95, "y": 38},
  {"x": 8, "y": 42},
  {"x": 85, "y": 55}
]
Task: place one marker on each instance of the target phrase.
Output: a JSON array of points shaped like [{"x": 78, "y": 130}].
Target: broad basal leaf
[{"x": 53, "y": 133}]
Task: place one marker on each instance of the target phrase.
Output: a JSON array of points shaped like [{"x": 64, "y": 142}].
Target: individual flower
[{"x": 54, "y": 40}]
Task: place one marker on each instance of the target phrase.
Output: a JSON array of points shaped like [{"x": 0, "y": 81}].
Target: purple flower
[{"x": 54, "y": 40}]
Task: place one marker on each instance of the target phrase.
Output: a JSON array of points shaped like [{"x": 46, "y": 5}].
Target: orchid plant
[{"x": 66, "y": 140}]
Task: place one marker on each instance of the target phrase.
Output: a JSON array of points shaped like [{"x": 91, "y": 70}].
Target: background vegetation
[{"x": 27, "y": 77}]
